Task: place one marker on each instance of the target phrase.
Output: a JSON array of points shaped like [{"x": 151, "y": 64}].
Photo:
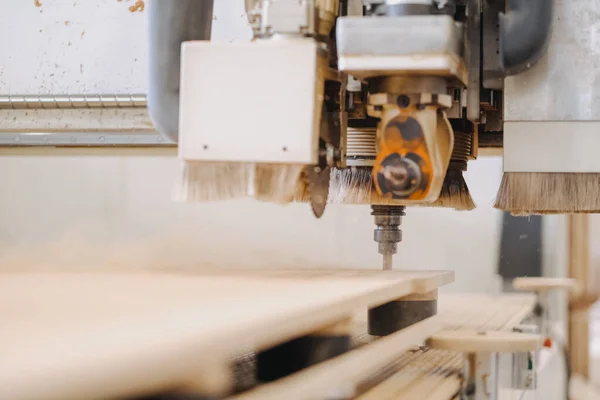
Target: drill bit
[
  {"x": 387, "y": 232},
  {"x": 387, "y": 261}
]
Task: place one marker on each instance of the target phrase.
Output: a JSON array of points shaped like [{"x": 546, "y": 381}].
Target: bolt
[{"x": 403, "y": 101}]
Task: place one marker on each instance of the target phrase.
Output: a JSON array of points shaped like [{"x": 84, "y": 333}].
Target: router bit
[{"x": 387, "y": 232}]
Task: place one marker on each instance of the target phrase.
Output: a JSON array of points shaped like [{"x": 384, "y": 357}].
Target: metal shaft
[
  {"x": 387, "y": 261},
  {"x": 387, "y": 231}
]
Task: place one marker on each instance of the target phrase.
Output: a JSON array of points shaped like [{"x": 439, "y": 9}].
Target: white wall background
[
  {"x": 83, "y": 46},
  {"x": 106, "y": 211},
  {"x": 64, "y": 210}
]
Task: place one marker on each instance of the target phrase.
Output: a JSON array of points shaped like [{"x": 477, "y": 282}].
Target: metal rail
[
  {"x": 87, "y": 139},
  {"x": 78, "y": 139},
  {"x": 71, "y": 101}
]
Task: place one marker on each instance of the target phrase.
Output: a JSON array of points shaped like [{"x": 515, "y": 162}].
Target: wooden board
[
  {"x": 123, "y": 334},
  {"x": 422, "y": 281},
  {"x": 484, "y": 341},
  {"x": 539, "y": 284}
]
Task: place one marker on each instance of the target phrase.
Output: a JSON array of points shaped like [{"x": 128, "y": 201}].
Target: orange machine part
[{"x": 393, "y": 141}]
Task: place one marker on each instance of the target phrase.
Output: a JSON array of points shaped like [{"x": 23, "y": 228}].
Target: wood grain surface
[{"x": 484, "y": 312}]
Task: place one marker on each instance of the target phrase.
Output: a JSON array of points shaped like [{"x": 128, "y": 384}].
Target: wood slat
[
  {"x": 428, "y": 375},
  {"x": 544, "y": 284},
  {"x": 484, "y": 342},
  {"x": 484, "y": 312}
]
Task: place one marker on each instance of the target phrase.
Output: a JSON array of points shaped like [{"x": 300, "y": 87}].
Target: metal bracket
[
  {"x": 299, "y": 17},
  {"x": 286, "y": 17},
  {"x": 482, "y": 376},
  {"x": 370, "y": 47},
  {"x": 474, "y": 60},
  {"x": 377, "y": 100}
]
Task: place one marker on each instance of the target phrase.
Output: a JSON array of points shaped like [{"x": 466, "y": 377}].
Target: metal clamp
[
  {"x": 283, "y": 17},
  {"x": 292, "y": 17},
  {"x": 524, "y": 376}
]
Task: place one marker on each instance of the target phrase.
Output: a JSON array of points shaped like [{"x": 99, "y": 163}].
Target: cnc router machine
[
  {"x": 378, "y": 102},
  {"x": 375, "y": 102}
]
